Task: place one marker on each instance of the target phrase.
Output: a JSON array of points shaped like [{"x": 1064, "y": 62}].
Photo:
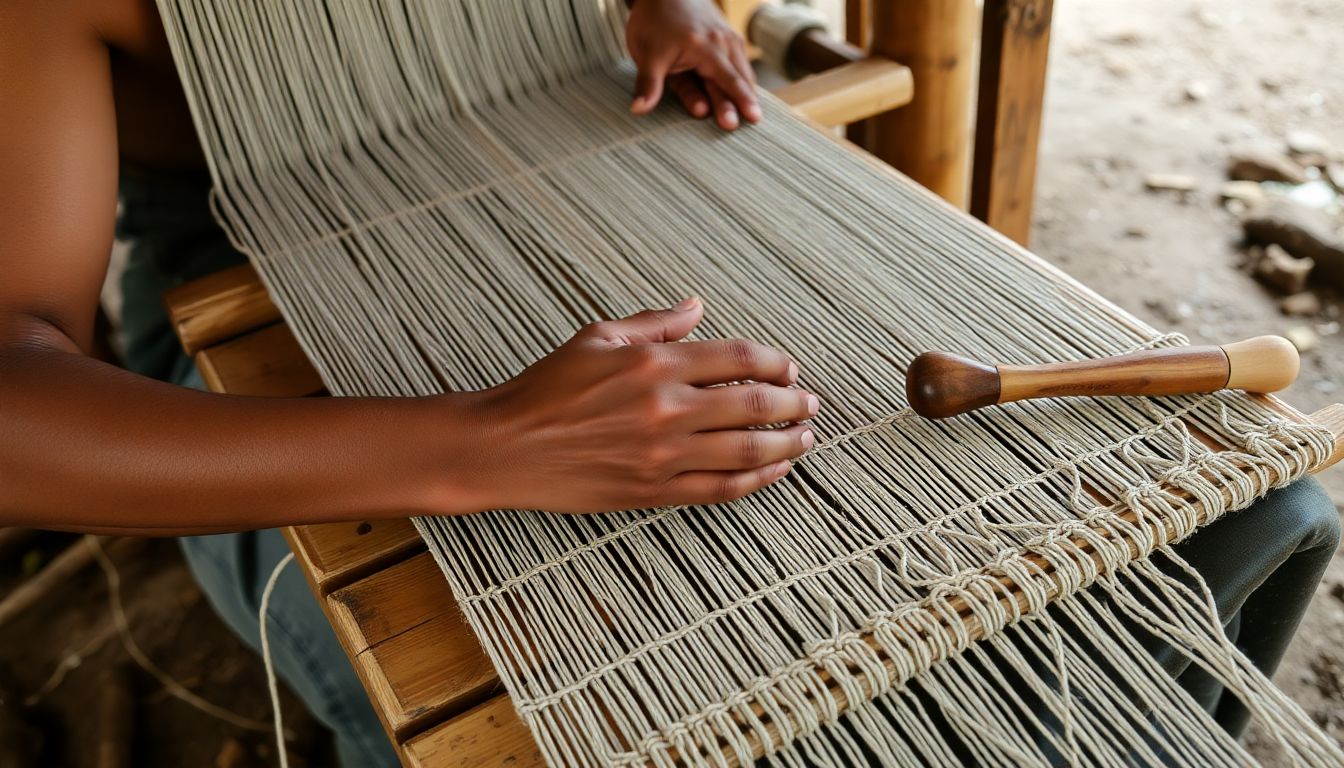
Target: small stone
[
  {"x": 1337, "y": 589},
  {"x": 1325, "y": 386},
  {"x": 1302, "y": 231},
  {"x": 1302, "y": 337},
  {"x": 1196, "y": 90},
  {"x": 1122, "y": 37},
  {"x": 1173, "y": 182},
  {"x": 1302, "y": 304},
  {"x": 1138, "y": 233},
  {"x": 1245, "y": 191},
  {"x": 1271, "y": 84},
  {"x": 1172, "y": 314},
  {"x": 1327, "y": 329},
  {"x": 1119, "y": 67},
  {"x": 1307, "y": 143},
  {"x": 1264, "y": 166},
  {"x": 1280, "y": 270}
]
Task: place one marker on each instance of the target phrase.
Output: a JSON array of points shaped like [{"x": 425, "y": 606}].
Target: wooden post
[
  {"x": 739, "y": 13},
  {"x": 1013, "y": 52},
  {"x": 929, "y": 139},
  {"x": 858, "y": 22},
  {"x": 859, "y": 33}
]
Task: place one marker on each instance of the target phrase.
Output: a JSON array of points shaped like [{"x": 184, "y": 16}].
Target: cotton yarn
[{"x": 439, "y": 192}]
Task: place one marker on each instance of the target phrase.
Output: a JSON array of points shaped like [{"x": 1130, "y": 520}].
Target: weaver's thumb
[
  {"x": 658, "y": 325},
  {"x": 649, "y": 84}
]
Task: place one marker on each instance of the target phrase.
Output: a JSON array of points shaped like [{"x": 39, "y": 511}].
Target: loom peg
[{"x": 939, "y": 385}]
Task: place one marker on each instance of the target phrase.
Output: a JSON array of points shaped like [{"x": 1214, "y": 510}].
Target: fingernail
[
  {"x": 793, "y": 372},
  {"x": 813, "y": 405},
  {"x": 808, "y": 440},
  {"x": 730, "y": 118},
  {"x": 687, "y": 304},
  {"x": 753, "y": 113},
  {"x": 782, "y": 468}
]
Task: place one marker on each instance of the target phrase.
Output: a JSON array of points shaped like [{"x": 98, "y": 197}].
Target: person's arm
[{"x": 616, "y": 418}]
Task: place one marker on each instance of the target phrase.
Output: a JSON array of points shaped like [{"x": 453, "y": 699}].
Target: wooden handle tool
[{"x": 939, "y": 385}]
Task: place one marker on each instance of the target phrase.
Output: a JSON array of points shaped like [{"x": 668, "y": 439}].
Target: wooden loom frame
[{"x": 431, "y": 683}]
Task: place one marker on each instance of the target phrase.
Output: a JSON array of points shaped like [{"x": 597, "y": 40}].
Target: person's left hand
[{"x": 688, "y": 47}]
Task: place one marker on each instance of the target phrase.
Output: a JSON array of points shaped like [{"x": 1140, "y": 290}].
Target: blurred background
[{"x": 1167, "y": 123}]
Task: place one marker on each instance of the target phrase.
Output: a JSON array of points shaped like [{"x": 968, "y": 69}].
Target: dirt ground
[{"x": 1144, "y": 86}]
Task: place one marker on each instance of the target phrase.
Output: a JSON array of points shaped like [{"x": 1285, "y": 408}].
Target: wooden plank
[
  {"x": 336, "y": 554},
  {"x": 1015, "y": 46},
  {"x": 851, "y": 92},
  {"x": 419, "y": 659},
  {"x": 489, "y": 736},
  {"x": 930, "y": 139},
  {"x": 1332, "y": 418},
  {"x": 264, "y": 363},
  {"x": 390, "y": 601},
  {"x": 426, "y": 674},
  {"x": 218, "y": 307}
]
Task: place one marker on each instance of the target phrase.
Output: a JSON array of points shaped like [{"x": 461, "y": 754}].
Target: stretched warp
[{"x": 439, "y": 193}]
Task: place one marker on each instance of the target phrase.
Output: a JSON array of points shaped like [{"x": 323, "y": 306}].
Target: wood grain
[
  {"x": 489, "y": 736},
  {"x": 1014, "y": 49},
  {"x": 427, "y": 673},
  {"x": 1175, "y": 371},
  {"x": 930, "y": 139},
  {"x": 219, "y": 307},
  {"x": 336, "y": 554},
  {"x": 264, "y": 363},
  {"x": 850, "y": 92}
]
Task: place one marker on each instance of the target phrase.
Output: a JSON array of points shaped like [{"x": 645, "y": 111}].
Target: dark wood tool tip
[{"x": 939, "y": 385}]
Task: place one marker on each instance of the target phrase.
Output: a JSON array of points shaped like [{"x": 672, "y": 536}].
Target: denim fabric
[{"x": 172, "y": 239}]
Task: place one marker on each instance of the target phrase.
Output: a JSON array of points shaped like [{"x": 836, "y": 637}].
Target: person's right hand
[{"x": 622, "y": 416}]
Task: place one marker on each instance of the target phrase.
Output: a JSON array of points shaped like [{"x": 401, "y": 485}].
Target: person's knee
[{"x": 1304, "y": 513}]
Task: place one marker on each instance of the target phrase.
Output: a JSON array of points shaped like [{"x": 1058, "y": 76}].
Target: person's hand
[
  {"x": 622, "y": 417},
  {"x": 686, "y": 47}
]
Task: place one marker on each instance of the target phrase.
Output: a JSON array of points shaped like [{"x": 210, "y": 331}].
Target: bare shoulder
[{"x": 129, "y": 26}]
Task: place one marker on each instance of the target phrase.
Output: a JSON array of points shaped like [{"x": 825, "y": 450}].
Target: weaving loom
[{"x": 437, "y": 196}]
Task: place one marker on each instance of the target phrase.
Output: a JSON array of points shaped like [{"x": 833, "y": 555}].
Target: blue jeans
[
  {"x": 1262, "y": 563},
  {"x": 172, "y": 239}
]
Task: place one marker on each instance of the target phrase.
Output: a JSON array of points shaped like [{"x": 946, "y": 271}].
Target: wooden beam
[
  {"x": 849, "y": 93},
  {"x": 814, "y": 51},
  {"x": 219, "y": 307},
  {"x": 930, "y": 139},
  {"x": 489, "y": 736},
  {"x": 336, "y": 554},
  {"x": 1015, "y": 45},
  {"x": 264, "y": 363}
]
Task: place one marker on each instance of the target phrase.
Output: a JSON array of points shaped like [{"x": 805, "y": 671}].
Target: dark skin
[{"x": 623, "y": 415}]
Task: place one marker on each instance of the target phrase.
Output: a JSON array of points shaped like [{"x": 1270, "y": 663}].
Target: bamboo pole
[{"x": 929, "y": 139}]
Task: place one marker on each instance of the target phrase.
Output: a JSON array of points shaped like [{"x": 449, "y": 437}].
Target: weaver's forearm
[{"x": 85, "y": 446}]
